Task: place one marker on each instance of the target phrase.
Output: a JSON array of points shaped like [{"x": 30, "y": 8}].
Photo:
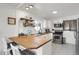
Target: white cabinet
[
  {"x": 48, "y": 36},
  {"x": 38, "y": 51},
  {"x": 45, "y": 49}
]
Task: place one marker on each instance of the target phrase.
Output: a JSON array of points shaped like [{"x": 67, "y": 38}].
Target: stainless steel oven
[{"x": 58, "y": 37}]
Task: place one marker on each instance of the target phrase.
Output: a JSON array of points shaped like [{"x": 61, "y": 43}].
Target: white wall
[
  {"x": 22, "y": 13},
  {"x": 49, "y": 24},
  {"x": 5, "y": 29}
]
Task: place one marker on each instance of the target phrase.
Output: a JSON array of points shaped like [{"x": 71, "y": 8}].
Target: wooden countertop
[{"x": 30, "y": 42}]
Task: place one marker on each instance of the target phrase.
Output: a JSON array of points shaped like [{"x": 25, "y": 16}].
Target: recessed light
[
  {"x": 31, "y": 6},
  {"x": 27, "y": 8},
  {"x": 54, "y": 12}
]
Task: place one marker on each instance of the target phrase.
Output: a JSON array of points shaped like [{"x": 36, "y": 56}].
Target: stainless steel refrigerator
[
  {"x": 73, "y": 25},
  {"x": 77, "y": 38}
]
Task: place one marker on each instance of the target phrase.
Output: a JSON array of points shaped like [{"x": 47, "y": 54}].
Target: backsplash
[{"x": 29, "y": 30}]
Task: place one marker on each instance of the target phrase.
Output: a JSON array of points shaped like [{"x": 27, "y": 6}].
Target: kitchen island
[{"x": 33, "y": 42}]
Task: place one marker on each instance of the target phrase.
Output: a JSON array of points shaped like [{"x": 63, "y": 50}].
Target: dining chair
[
  {"x": 15, "y": 50},
  {"x": 3, "y": 46}
]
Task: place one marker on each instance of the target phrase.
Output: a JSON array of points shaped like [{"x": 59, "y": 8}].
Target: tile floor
[
  {"x": 57, "y": 49},
  {"x": 61, "y": 49}
]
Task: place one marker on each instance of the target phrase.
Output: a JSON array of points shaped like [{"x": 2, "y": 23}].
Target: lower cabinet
[
  {"x": 44, "y": 50},
  {"x": 48, "y": 36},
  {"x": 47, "y": 48}
]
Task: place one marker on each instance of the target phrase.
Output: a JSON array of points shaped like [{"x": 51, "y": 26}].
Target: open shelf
[{"x": 27, "y": 22}]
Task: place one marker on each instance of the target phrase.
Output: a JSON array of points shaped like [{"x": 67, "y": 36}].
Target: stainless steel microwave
[{"x": 58, "y": 25}]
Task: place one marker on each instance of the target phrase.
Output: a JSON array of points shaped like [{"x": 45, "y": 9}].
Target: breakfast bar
[{"x": 33, "y": 42}]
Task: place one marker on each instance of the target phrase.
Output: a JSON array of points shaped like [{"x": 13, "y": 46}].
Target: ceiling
[
  {"x": 2, "y": 5},
  {"x": 45, "y": 9}
]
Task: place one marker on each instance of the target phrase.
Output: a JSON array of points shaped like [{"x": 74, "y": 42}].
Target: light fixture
[
  {"x": 27, "y": 8},
  {"x": 31, "y": 6},
  {"x": 54, "y": 12}
]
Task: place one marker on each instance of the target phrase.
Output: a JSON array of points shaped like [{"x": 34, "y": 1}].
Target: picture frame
[{"x": 11, "y": 21}]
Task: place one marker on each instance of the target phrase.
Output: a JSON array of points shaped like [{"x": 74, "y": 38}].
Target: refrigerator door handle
[{"x": 75, "y": 35}]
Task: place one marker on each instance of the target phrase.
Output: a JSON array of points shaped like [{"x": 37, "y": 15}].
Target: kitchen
[{"x": 35, "y": 21}]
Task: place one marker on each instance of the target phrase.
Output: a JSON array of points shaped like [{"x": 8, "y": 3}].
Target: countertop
[{"x": 31, "y": 41}]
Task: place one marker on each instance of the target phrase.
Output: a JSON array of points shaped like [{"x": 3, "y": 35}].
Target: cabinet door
[
  {"x": 66, "y": 25},
  {"x": 47, "y": 48},
  {"x": 77, "y": 40},
  {"x": 73, "y": 25},
  {"x": 49, "y": 36},
  {"x": 70, "y": 25}
]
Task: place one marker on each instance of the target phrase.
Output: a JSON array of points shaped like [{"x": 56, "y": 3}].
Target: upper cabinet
[
  {"x": 70, "y": 25},
  {"x": 73, "y": 25},
  {"x": 66, "y": 25}
]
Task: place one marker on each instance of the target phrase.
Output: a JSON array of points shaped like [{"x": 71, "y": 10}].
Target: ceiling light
[
  {"x": 31, "y": 6},
  {"x": 54, "y": 12},
  {"x": 27, "y": 8}
]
